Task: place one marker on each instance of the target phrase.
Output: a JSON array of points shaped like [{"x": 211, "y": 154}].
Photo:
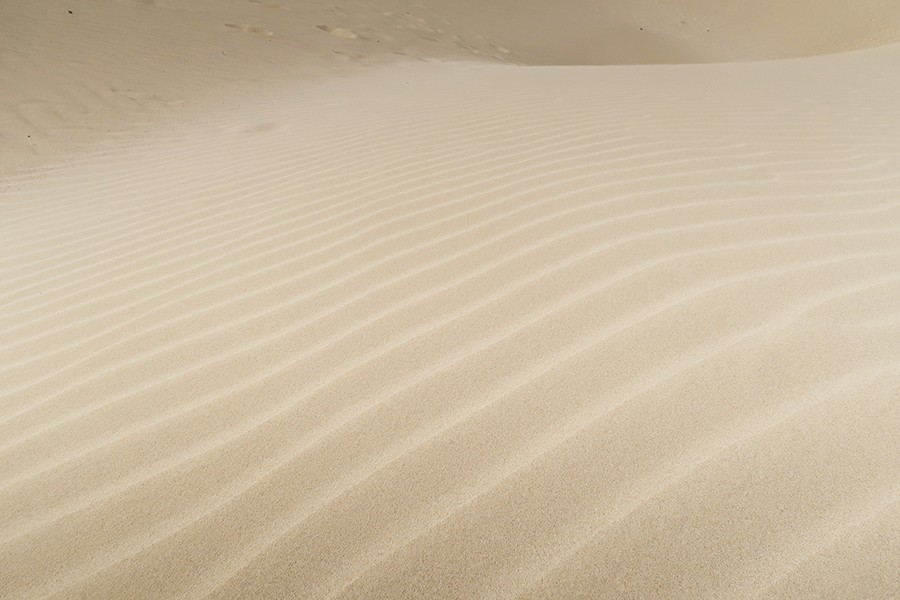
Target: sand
[{"x": 449, "y": 299}]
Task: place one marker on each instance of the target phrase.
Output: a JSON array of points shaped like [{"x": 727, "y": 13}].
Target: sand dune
[
  {"x": 675, "y": 31},
  {"x": 286, "y": 314},
  {"x": 89, "y": 74}
]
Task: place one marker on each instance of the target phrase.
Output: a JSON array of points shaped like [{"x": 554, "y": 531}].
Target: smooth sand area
[{"x": 449, "y": 299}]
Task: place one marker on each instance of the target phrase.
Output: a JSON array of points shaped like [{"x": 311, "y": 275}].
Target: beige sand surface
[{"x": 351, "y": 300}]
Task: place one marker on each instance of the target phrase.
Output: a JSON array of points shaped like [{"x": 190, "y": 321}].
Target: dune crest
[{"x": 583, "y": 32}]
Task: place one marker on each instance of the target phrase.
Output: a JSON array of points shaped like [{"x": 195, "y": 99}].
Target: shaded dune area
[{"x": 359, "y": 302}]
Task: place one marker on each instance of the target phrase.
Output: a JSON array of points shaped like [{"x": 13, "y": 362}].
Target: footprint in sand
[
  {"x": 339, "y": 32},
  {"x": 250, "y": 29},
  {"x": 274, "y": 5}
]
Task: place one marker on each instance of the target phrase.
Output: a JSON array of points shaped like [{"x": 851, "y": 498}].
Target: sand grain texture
[{"x": 323, "y": 300}]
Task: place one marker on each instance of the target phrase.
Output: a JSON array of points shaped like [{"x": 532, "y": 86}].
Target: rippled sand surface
[{"x": 356, "y": 300}]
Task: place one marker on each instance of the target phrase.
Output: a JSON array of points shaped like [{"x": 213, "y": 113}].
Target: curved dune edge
[
  {"x": 460, "y": 331},
  {"x": 73, "y": 77},
  {"x": 581, "y": 32}
]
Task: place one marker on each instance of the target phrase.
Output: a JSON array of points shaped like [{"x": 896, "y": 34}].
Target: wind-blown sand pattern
[{"x": 293, "y": 326}]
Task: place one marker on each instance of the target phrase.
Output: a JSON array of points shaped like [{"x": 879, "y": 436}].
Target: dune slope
[
  {"x": 462, "y": 330},
  {"x": 675, "y": 31}
]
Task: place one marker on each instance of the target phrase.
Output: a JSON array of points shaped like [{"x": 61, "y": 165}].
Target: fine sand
[{"x": 449, "y": 299}]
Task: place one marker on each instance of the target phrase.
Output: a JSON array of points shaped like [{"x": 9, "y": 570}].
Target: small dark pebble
[{"x": 71, "y": 13}]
